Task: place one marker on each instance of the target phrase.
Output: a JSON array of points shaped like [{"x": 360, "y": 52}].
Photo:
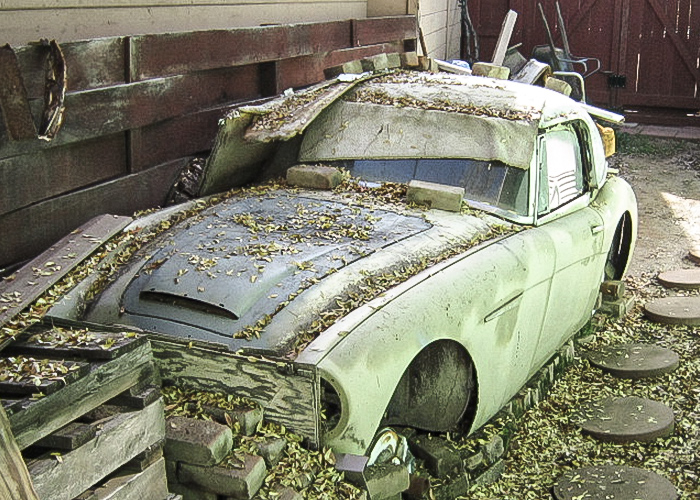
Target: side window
[{"x": 561, "y": 169}]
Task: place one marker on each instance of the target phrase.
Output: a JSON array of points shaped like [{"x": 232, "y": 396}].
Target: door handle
[{"x": 597, "y": 229}]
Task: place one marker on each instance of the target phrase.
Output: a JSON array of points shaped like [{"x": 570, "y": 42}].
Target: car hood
[{"x": 253, "y": 273}]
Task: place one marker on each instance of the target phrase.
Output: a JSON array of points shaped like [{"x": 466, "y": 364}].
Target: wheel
[{"x": 618, "y": 255}]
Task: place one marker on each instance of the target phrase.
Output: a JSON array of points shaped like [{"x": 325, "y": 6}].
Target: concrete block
[
  {"x": 409, "y": 60},
  {"x": 493, "y": 449},
  {"x": 191, "y": 492},
  {"x": 386, "y": 481},
  {"x": 418, "y": 488},
  {"x": 171, "y": 467},
  {"x": 314, "y": 176},
  {"x": 353, "y": 466},
  {"x": 200, "y": 442},
  {"x": 456, "y": 488},
  {"x": 612, "y": 290},
  {"x": 490, "y": 70},
  {"x": 439, "y": 196},
  {"x": 393, "y": 60},
  {"x": 375, "y": 63},
  {"x": 428, "y": 64},
  {"x": 474, "y": 461},
  {"x": 439, "y": 456},
  {"x": 239, "y": 483},
  {"x": 247, "y": 418},
  {"x": 617, "y": 308},
  {"x": 492, "y": 474},
  {"x": 558, "y": 85},
  {"x": 272, "y": 450},
  {"x": 349, "y": 68}
]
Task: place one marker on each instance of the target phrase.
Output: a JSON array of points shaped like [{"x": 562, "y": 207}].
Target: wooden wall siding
[
  {"x": 139, "y": 107},
  {"x": 654, "y": 43},
  {"x": 24, "y": 21},
  {"x": 440, "y": 22}
]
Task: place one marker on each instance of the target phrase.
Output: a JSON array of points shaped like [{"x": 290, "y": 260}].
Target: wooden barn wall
[
  {"x": 137, "y": 108},
  {"x": 23, "y": 21},
  {"x": 655, "y": 44}
]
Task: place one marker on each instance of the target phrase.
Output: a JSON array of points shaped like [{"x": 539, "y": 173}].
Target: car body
[{"x": 400, "y": 315}]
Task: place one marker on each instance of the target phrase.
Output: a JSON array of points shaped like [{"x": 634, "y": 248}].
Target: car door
[{"x": 574, "y": 230}]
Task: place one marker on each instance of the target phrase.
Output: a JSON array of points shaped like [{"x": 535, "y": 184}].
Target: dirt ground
[{"x": 665, "y": 175}]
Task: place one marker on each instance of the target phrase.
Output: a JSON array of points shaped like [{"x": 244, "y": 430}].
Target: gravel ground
[{"x": 666, "y": 177}]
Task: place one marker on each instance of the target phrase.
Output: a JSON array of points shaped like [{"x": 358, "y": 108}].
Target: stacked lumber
[{"x": 85, "y": 410}]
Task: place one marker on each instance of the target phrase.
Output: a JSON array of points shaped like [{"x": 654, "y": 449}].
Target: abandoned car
[{"x": 349, "y": 310}]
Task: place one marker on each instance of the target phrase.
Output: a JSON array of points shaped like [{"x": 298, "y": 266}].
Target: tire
[{"x": 619, "y": 252}]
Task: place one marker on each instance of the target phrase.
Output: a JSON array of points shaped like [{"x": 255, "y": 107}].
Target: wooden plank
[
  {"x": 503, "y": 42},
  {"x": 46, "y": 386},
  {"x": 13, "y": 98},
  {"x": 117, "y": 108},
  {"x": 119, "y": 439},
  {"x": 68, "y": 438},
  {"x": 106, "y": 380},
  {"x": 154, "y": 55},
  {"x": 29, "y": 231},
  {"x": 70, "y": 343},
  {"x": 375, "y": 30},
  {"x": 14, "y": 480},
  {"x": 287, "y": 399},
  {"x": 151, "y": 483},
  {"x": 29, "y": 282},
  {"x": 31, "y": 178}
]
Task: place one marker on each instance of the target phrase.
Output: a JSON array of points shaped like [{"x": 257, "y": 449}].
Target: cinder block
[
  {"x": 199, "y": 442},
  {"x": 350, "y": 67},
  {"x": 409, "y": 60},
  {"x": 558, "y": 85},
  {"x": 248, "y": 418},
  {"x": 386, "y": 481},
  {"x": 314, "y": 176},
  {"x": 491, "y": 70},
  {"x": 438, "y": 196},
  {"x": 439, "y": 456},
  {"x": 239, "y": 483}
]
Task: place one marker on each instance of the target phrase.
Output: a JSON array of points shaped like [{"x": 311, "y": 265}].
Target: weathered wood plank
[
  {"x": 45, "y": 270},
  {"x": 14, "y": 105},
  {"x": 106, "y": 380},
  {"x": 46, "y": 386},
  {"x": 70, "y": 437},
  {"x": 14, "y": 480},
  {"x": 154, "y": 55},
  {"x": 288, "y": 399},
  {"x": 43, "y": 342},
  {"x": 119, "y": 439},
  {"x": 34, "y": 177},
  {"x": 29, "y": 231},
  {"x": 151, "y": 483},
  {"x": 377, "y": 30},
  {"x": 109, "y": 110}
]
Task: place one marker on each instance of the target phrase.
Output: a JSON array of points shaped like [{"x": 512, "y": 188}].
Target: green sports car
[{"x": 383, "y": 301}]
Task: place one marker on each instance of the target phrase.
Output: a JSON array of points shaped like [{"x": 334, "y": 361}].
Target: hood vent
[{"x": 185, "y": 302}]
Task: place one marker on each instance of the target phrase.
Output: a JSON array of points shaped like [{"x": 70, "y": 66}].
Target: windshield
[{"x": 490, "y": 183}]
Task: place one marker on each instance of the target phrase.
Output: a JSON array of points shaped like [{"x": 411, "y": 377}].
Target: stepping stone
[
  {"x": 686, "y": 279},
  {"x": 613, "y": 481},
  {"x": 634, "y": 360},
  {"x": 674, "y": 310},
  {"x": 626, "y": 420}
]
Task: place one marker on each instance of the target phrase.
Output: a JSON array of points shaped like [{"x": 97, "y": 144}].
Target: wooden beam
[
  {"x": 14, "y": 103},
  {"x": 14, "y": 480},
  {"x": 33, "y": 279},
  {"x": 499, "y": 53},
  {"x": 106, "y": 380},
  {"x": 119, "y": 439}
]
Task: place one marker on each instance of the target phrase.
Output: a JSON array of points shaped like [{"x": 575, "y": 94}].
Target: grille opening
[
  {"x": 331, "y": 407},
  {"x": 184, "y": 302}
]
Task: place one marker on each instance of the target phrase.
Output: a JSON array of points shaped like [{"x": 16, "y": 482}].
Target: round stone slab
[
  {"x": 634, "y": 360},
  {"x": 613, "y": 481},
  {"x": 625, "y": 420},
  {"x": 686, "y": 279},
  {"x": 674, "y": 310}
]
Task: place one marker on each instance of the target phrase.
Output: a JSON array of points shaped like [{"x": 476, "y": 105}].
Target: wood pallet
[{"x": 94, "y": 431}]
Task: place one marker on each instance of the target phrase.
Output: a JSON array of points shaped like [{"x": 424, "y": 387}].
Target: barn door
[{"x": 659, "y": 47}]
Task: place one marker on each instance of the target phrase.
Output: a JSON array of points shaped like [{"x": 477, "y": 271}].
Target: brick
[
  {"x": 248, "y": 418},
  {"x": 491, "y": 70},
  {"x": 238, "y": 483},
  {"x": 558, "y": 85},
  {"x": 386, "y": 481},
  {"x": 314, "y": 176},
  {"x": 199, "y": 442},
  {"x": 272, "y": 450},
  {"x": 612, "y": 290},
  {"x": 439, "y": 196},
  {"x": 349, "y": 68},
  {"x": 439, "y": 456},
  {"x": 409, "y": 60}
]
